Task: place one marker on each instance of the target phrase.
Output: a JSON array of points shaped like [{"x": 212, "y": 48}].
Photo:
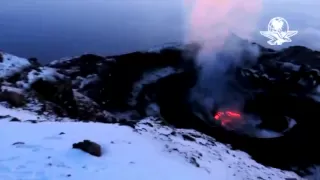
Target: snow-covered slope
[
  {"x": 150, "y": 151},
  {"x": 10, "y": 64}
]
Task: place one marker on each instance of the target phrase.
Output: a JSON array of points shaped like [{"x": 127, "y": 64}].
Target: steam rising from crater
[
  {"x": 220, "y": 27},
  {"x": 212, "y": 21}
]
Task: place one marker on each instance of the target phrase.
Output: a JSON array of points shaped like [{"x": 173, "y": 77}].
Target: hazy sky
[
  {"x": 51, "y": 29},
  {"x": 302, "y": 16}
]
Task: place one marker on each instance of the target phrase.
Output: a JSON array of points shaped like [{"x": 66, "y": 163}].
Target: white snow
[
  {"x": 48, "y": 155},
  {"x": 10, "y": 65},
  {"x": 315, "y": 95},
  {"x": 12, "y": 89},
  {"x": 267, "y": 134},
  {"x": 317, "y": 89},
  {"x": 67, "y": 60},
  {"x": 152, "y": 109},
  {"x": 45, "y": 73},
  {"x": 148, "y": 152},
  {"x": 315, "y": 173},
  {"x": 85, "y": 99},
  {"x": 62, "y": 60},
  {"x": 290, "y": 66},
  {"x": 213, "y": 157},
  {"x": 291, "y": 123},
  {"x": 25, "y": 115},
  {"x": 18, "y": 113},
  {"x": 148, "y": 78},
  {"x": 88, "y": 80}
]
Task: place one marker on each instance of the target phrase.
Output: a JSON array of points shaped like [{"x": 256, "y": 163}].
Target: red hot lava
[{"x": 228, "y": 118}]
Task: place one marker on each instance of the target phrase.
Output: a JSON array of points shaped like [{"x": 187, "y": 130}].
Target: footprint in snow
[
  {"x": 34, "y": 148},
  {"x": 53, "y": 138},
  {"x": 9, "y": 173},
  {"x": 9, "y": 159},
  {"x": 4, "y": 169}
]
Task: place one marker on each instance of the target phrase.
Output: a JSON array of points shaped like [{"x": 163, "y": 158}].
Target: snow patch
[
  {"x": 12, "y": 89},
  {"x": 29, "y": 113},
  {"x": 315, "y": 173},
  {"x": 315, "y": 95},
  {"x": 148, "y": 78},
  {"x": 88, "y": 80},
  {"x": 45, "y": 73},
  {"x": 62, "y": 60},
  {"x": 152, "y": 109},
  {"x": 215, "y": 158},
  {"x": 263, "y": 133},
  {"x": 22, "y": 115},
  {"x": 290, "y": 66},
  {"x": 10, "y": 65},
  {"x": 85, "y": 99},
  {"x": 44, "y": 151}
]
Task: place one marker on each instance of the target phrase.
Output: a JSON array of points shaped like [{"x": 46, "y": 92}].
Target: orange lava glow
[
  {"x": 228, "y": 117},
  {"x": 212, "y": 21}
]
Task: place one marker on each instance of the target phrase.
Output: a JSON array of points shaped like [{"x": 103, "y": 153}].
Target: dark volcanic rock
[
  {"x": 13, "y": 98},
  {"x": 115, "y": 82},
  {"x": 89, "y": 147},
  {"x": 300, "y": 55},
  {"x": 297, "y": 55},
  {"x": 89, "y": 109},
  {"x": 124, "y": 122},
  {"x": 32, "y": 121},
  {"x": 274, "y": 122},
  {"x": 287, "y": 83},
  {"x": 172, "y": 97},
  {"x": 128, "y": 69},
  {"x": 59, "y": 92},
  {"x": 15, "y": 120},
  {"x": 34, "y": 61},
  {"x": 81, "y": 66},
  {"x": 188, "y": 138},
  {"x": 273, "y": 94}
]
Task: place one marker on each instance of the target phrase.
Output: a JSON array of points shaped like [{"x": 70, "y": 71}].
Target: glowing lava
[{"x": 228, "y": 118}]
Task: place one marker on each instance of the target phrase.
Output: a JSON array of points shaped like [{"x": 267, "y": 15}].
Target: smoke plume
[
  {"x": 210, "y": 22},
  {"x": 221, "y": 26}
]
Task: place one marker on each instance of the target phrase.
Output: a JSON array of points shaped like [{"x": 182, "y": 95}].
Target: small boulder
[
  {"x": 188, "y": 138},
  {"x": 18, "y": 143},
  {"x": 58, "y": 92},
  {"x": 15, "y": 120},
  {"x": 124, "y": 122},
  {"x": 13, "y": 98},
  {"x": 32, "y": 121},
  {"x": 89, "y": 147},
  {"x": 5, "y": 117},
  {"x": 34, "y": 61}
]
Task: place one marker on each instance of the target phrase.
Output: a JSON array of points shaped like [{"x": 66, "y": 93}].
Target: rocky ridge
[{"x": 282, "y": 85}]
